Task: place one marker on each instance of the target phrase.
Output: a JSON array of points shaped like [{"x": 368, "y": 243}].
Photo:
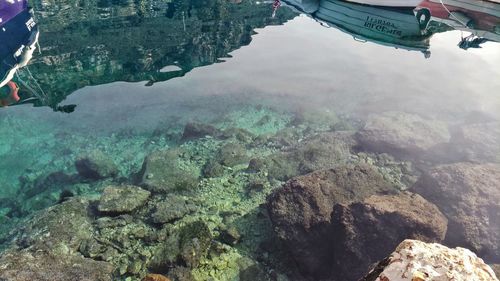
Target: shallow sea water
[{"x": 290, "y": 82}]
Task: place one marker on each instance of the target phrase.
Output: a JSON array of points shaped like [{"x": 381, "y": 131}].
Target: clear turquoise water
[{"x": 290, "y": 67}]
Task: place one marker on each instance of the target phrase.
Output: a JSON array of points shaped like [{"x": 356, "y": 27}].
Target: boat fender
[
  {"x": 12, "y": 95},
  {"x": 423, "y": 22}
]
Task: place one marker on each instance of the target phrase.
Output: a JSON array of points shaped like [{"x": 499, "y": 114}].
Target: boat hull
[
  {"x": 398, "y": 28},
  {"x": 388, "y": 3}
]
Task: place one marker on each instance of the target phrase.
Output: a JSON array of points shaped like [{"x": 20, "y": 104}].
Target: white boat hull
[
  {"x": 389, "y": 3},
  {"x": 398, "y": 28},
  {"x": 310, "y": 6}
]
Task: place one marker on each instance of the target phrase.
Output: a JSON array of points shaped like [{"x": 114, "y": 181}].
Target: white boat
[
  {"x": 308, "y": 6},
  {"x": 399, "y": 28},
  {"x": 388, "y": 3}
]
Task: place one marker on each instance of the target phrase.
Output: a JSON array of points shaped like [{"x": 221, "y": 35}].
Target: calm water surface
[{"x": 134, "y": 93}]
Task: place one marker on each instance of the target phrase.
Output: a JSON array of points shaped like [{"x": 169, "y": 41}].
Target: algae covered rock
[
  {"x": 41, "y": 266},
  {"x": 365, "y": 232},
  {"x": 122, "y": 199},
  {"x": 96, "y": 165},
  {"x": 171, "y": 208},
  {"x": 213, "y": 169},
  {"x": 48, "y": 244},
  {"x": 232, "y": 154},
  {"x": 59, "y": 229},
  {"x": 402, "y": 134},
  {"x": 469, "y": 196},
  {"x": 195, "y": 130},
  {"x": 164, "y": 171},
  {"x": 185, "y": 246},
  {"x": 230, "y": 235},
  {"x": 194, "y": 242},
  {"x": 323, "y": 151},
  {"x": 181, "y": 273},
  {"x": 418, "y": 261},
  {"x": 301, "y": 211}
]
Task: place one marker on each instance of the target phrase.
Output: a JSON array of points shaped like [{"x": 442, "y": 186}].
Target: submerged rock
[
  {"x": 230, "y": 235},
  {"x": 41, "y": 266},
  {"x": 180, "y": 273},
  {"x": 194, "y": 130},
  {"x": 232, "y": 154},
  {"x": 469, "y": 196},
  {"x": 96, "y": 165},
  {"x": 186, "y": 247},
  {"x": 162, "y": 172},
  {"x": 47, "y": 247},
  {"x": 213, "y": 169},
  {"x": 301, "y": 211},
  {"x": 171, "y": 208},
  {"x": 365, "y": 232},
  {"x": 402, "y": 134},
  {"x": 324, "y": 151},
  {"x": 59, "y": 229},
  {"x": 122, "y": 199},
  {"x": 478, "y": 142},
  {"x": 418, "y": 261},
  {"x": 194, "y": 242}
]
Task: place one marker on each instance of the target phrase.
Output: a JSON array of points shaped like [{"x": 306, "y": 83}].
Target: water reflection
[
  {"x": 88, "y": 45},
  {"x": 409, "y": 28},
  {"x": 98, "y": 43}
]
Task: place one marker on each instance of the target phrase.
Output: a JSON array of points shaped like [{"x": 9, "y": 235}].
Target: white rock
[{"x": 418, "y": 261}]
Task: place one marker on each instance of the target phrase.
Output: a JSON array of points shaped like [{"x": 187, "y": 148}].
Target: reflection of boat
[
  {"x": 481, "y": 18},
  {"x": 400, "y": 28},
  {"x": 18, "y": 40},
  {"x": 308, "y": 4}
]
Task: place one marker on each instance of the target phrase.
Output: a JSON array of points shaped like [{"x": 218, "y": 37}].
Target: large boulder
[
  {"x": 418, "y": 261},
  {"x": 164, "y": 171},
  {"x": 96, "y": 165},
  {"x": 469, "y": 196},
  {"x": 402, "y": 134},
  {"x": 122, "y": 199},
  {"x": 301, "y": 211},
  {"x": 365, "y": 232}
]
